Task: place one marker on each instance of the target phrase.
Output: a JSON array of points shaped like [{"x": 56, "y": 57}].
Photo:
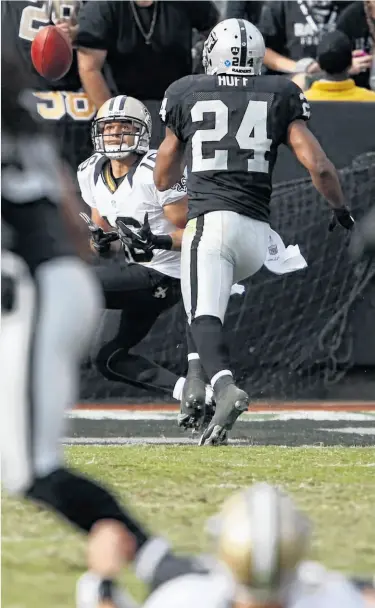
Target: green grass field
[{"x": 174, "y": 489}]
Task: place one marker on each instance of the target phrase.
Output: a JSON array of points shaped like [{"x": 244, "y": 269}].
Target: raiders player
[
  {"x": 117, "y": 183},
  {"x": 50, "y": 305},
  {"x": 230, "y": 123}
]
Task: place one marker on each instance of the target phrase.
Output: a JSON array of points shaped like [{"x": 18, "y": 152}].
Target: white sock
[
  {"x": 178, "y": 388},
  {"x": 209, "y": 394},
  {"x": 223, "y": 372}
]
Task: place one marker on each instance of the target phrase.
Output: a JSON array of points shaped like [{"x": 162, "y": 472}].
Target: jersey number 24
[{"x": 251, "y": 135}]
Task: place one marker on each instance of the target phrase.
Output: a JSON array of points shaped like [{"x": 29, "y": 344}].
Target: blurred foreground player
[
  {"x": 50, "y": 303},
  {"x": 230, "y": 123},
  {"x": 261, "y": 540}
]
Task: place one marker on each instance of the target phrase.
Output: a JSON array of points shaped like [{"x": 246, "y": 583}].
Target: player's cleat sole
[{"x": 218, "y": 437}]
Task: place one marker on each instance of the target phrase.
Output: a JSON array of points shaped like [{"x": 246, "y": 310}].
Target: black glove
[
  {"x": 343, "y": 217},
  {"x": 142, "y": 238},
  {"x": 101, "y": 241}
]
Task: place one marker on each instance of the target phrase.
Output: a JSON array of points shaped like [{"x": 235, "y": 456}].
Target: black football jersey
[{"x": 232, "y": 127}]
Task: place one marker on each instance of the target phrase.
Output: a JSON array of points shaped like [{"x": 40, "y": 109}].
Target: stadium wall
[{"x": 309, "y": 335}]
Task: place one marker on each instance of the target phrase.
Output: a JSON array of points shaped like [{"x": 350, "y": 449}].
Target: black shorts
[{"x": 137, "y": 287}]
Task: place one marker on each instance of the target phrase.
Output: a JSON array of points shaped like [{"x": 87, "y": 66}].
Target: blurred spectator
[
  {"x": 357, "y": 21},
  {"x": 62, "y": 104},
  {"x": 245, "y": 9},
  {"x": 335, "y": 58},
  {"x": 147, "y": 44},
  {"x": 26, "y": 19},
  {"x": 292, "y": 31},
  {"x": 221, "y": 6}
]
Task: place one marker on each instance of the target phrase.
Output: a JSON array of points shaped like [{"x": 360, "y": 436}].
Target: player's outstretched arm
[
  {"x": 323, "y": 173},
  {"x": 170, "y": 164},
  {"x": 312, "y": 156}
]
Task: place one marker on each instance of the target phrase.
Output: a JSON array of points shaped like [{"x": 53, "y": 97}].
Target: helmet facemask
[{"x": 117, "y": 136}]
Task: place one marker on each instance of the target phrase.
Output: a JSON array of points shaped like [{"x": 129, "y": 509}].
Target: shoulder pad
[
  {"x": 94, "y": 164},
  {"x": 180, "y": 87}
]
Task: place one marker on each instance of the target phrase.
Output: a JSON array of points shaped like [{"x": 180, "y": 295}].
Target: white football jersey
[
  {"x": 314, "y": 587},
  {"x": 135, "y": 195}
]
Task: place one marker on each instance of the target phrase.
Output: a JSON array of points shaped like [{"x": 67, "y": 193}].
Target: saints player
[
  {"x": 117, "y": 183},
  {"x": 261, "y": 539},
  {"x": 229, "y": 123}
]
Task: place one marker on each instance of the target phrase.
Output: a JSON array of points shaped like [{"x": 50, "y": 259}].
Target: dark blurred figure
[
  {"x": 357, "y": 21},
  {"x": 50, "y": 304},
  {"x": 147, "y": 44},
  {"x": 292, "y": 31},
  {"x": 244, "y": 9},
  {"x": 25, "y": 20},
  {"x": 62, "y": 103}
]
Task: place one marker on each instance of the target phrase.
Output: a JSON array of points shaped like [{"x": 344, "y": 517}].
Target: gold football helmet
[{"x": 261, "y": 537}]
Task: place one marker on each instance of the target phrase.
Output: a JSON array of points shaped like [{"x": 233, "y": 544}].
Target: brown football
[{"x": 51, "y": 53}]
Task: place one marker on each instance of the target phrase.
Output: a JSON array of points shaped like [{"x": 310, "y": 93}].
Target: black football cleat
[{"x": 231, "y": 402}]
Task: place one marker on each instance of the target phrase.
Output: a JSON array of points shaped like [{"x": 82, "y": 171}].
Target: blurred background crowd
[{"x": 139, "y": 47}]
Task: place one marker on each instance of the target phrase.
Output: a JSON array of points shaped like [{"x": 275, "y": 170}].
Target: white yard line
[
  {"x": 246, "y": 417},
  {"x": 352, "y": 430}
]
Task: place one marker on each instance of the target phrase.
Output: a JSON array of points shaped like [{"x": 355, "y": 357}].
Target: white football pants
[
  {"x": 219, "y": 249},
  {"x": 42, "y": 341}
]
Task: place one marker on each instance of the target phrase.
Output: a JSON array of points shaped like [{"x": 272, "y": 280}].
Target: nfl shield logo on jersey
[{"x": 272, "y": 249}]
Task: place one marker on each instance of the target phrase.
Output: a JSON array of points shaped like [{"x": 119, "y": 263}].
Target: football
[{"x": 51, "y": 53}]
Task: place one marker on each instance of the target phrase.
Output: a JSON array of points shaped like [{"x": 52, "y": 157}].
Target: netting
[{"x": 290, "y": 336}]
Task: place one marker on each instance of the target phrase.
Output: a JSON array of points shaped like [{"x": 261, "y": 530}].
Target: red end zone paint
[{"x": 333, "y": 406}]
